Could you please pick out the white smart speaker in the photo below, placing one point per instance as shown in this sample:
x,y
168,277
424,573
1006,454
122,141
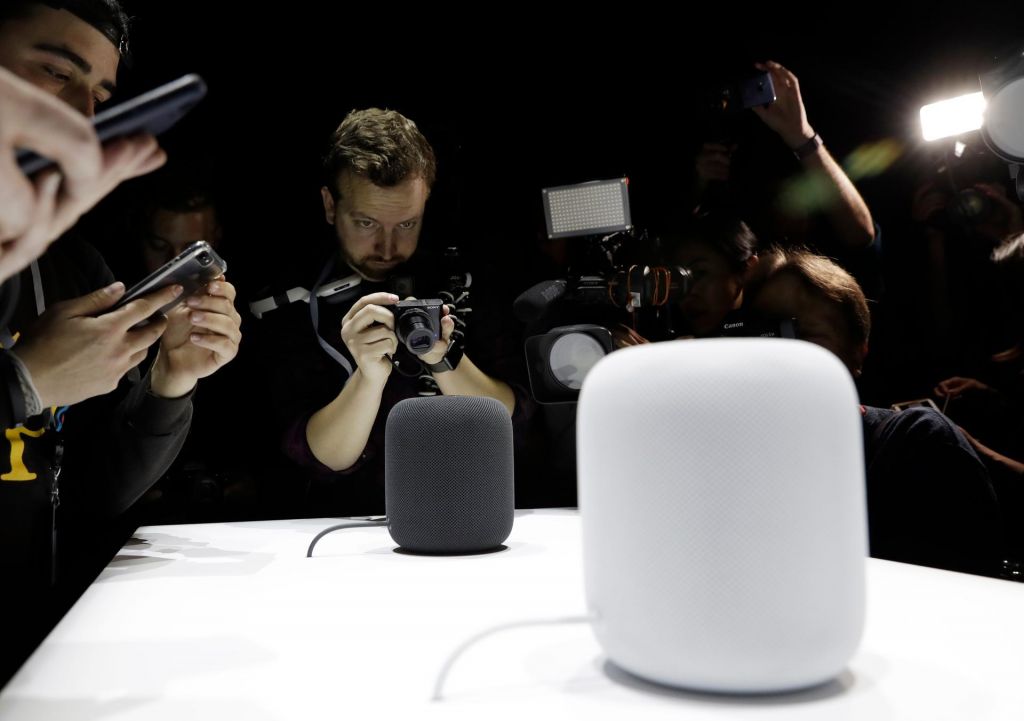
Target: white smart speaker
x,y
722,493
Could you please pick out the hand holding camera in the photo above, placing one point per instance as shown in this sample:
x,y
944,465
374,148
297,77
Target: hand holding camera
x,y
377,324
1000,217
424,327
972,204
368,331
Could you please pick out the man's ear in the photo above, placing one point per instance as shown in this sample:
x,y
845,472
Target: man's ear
x,y
329,204
749,268
859,355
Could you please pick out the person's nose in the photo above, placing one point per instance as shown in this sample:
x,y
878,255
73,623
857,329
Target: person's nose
x,y
80,98
386,244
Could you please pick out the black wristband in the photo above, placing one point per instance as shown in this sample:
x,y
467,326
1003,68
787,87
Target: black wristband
x,y
808,147
452,356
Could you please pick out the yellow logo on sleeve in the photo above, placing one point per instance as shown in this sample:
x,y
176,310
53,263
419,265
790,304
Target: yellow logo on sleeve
x,y
18,470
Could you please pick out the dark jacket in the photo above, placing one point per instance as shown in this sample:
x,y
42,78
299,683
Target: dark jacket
x,y
930,498
115,446
304,379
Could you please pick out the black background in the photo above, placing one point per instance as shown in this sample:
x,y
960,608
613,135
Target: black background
x,y
514,100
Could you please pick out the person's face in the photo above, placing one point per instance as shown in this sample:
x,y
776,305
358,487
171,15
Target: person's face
x,y
169,233
716,288
819,321
378,228
62,55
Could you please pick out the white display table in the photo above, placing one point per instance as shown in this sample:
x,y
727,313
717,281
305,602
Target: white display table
x,y
231,621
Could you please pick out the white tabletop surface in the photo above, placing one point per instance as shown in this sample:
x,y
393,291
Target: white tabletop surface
x,y
231,621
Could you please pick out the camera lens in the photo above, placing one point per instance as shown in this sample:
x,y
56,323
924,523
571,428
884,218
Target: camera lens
x,y
204,258
415,332
571,358
971,205
420,342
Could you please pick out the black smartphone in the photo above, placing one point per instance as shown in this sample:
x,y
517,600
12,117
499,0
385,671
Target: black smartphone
x,y
152,112
725,121
194,267
756,90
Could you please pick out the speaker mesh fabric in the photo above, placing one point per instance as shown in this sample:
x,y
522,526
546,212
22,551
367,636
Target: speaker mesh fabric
x,y
722,496
448,474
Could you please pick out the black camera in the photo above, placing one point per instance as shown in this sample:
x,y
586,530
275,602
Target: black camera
x,y
959,175
608,282
600,278
971,206
740,326
418,324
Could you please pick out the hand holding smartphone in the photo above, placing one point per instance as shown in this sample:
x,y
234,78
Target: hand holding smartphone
x,y
150,113
193,269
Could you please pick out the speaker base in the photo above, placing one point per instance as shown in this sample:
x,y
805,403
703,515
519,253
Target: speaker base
x,y
483,552
814,691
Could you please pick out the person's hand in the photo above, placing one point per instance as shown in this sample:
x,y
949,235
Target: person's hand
x,y
787,115
437,353
35,212
368,331
957,386
1007,220
713,163
73,353
623,337
202,335
928,200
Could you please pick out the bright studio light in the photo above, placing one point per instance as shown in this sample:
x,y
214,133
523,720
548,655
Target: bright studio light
x,y
953,117
593,208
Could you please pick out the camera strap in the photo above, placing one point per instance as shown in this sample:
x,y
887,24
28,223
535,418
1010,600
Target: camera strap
x,y
54,418
314,314
11,294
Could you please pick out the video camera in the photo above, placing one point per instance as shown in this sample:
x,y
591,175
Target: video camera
x,y
600,283
598,213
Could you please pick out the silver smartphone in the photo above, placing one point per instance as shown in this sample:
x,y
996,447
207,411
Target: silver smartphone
x,y
193,269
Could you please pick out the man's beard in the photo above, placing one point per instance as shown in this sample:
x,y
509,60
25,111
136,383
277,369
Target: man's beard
x,y
373,269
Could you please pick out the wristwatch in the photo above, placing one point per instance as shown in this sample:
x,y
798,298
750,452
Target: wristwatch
x,y
451,359
808,147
